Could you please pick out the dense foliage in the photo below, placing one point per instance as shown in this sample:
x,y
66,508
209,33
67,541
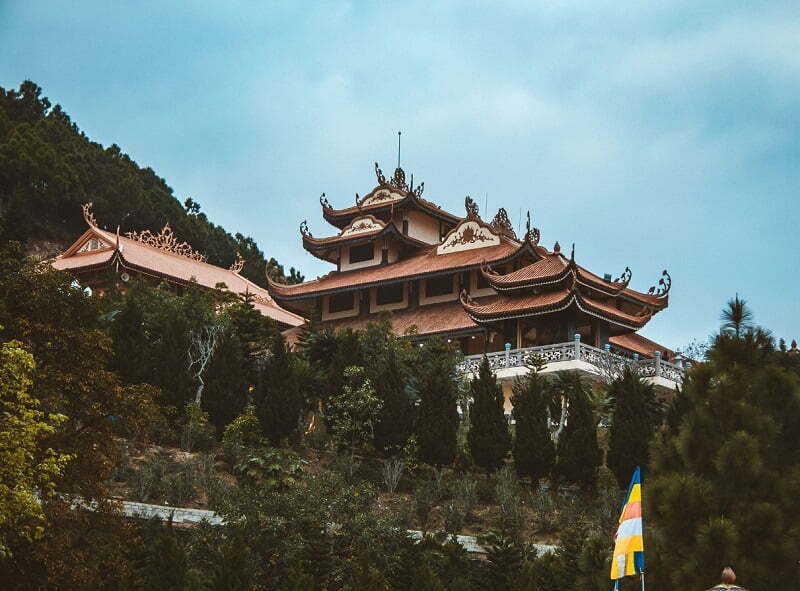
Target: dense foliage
x,y
726,474
49,168
489,439
534,452
633,425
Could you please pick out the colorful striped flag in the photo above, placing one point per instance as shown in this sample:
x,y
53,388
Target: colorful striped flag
x,y
628,556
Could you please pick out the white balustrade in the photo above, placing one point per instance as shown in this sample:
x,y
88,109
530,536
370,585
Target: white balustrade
x,y
605,361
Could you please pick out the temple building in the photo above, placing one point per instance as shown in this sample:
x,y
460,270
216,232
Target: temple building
x,y
472,281
99,258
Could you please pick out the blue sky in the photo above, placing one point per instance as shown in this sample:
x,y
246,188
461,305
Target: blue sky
x,y
658,136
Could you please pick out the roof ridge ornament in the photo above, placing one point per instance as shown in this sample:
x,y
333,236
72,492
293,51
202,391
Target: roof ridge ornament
x,y
556,247
304,229
166,241
88,216
486,269
465,298
532,235
502,223
625,278
472,208
323,201
663,287
238,264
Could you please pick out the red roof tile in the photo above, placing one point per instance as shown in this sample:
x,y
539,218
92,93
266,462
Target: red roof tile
x,y
424,263
184,269
639,344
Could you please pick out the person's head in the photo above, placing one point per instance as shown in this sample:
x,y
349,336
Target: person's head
x,y
728,576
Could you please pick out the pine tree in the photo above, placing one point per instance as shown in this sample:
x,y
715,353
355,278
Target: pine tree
x,y
488,437
278,399
164,565
725,477
437,424
225,392
130,343
632,427
534,452
396,417
578,454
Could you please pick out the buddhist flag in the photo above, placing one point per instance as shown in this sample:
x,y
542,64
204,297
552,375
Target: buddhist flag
x,y
628,556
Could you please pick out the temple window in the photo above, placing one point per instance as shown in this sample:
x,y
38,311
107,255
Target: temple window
x,y
362,252
390,294
341,302
439,286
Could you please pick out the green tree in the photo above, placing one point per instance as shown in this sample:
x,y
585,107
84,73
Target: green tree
x,y
437,423
736,317
632,427
26,467
278,395
488,437
226,384
389,368
725,474
534,452
354,412
131,345
578,454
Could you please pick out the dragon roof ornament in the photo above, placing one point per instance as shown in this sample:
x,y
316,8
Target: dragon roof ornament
x,y
304,229
398,181
88,216
238,264
166,241
664,284
323,201
471,207
532,235
625,278
502,223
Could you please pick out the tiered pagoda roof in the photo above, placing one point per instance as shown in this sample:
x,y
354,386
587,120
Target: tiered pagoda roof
x,y
388,195
555,283
526,279
161,256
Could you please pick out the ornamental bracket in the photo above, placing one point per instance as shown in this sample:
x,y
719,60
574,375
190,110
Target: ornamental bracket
x,y
664,285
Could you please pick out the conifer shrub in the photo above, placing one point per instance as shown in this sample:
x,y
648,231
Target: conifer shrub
x,y
488,437
533,451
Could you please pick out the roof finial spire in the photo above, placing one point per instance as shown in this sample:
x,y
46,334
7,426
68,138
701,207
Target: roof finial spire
x,y
398,149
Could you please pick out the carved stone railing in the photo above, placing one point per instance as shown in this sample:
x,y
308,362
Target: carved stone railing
x,y
606,362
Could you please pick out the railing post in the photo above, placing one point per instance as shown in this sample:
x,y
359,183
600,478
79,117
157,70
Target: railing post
x,y
577,346
657,355
508,353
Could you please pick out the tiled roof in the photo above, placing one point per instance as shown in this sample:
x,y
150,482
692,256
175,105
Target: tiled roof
x,y
310,243
552,267
147,258
639,344
424,263
333,215
517,306
429,320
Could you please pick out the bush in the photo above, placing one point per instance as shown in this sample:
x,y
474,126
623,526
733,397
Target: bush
x,y
196,432
269,468
242,433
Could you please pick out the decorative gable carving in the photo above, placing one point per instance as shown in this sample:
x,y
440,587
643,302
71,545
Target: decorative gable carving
x,y
382,195
93,243
361,225
468,235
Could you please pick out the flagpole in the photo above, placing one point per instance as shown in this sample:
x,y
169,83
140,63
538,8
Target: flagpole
x,y
642,580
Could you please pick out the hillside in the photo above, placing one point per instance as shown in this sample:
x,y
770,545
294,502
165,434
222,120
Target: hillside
x,y
49,167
